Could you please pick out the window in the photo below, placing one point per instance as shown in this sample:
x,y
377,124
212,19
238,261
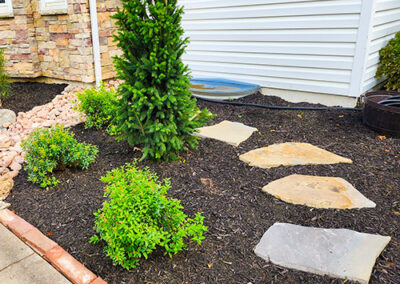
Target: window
x,y
53,6
6,9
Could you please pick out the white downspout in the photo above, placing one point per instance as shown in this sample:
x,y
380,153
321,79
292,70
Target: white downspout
x,y
362,47
95,41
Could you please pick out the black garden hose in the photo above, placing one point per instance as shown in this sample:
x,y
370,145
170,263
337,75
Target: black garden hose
x,y
277,107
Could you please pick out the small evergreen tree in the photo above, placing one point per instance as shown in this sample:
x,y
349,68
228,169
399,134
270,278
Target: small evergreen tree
x,y
4,79
155,107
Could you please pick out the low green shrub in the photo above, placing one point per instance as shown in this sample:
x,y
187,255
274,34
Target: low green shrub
x,y
138,217
4,79
98,104
48,150
389,64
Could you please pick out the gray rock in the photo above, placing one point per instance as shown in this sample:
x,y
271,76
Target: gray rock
x,y
338,253
7,115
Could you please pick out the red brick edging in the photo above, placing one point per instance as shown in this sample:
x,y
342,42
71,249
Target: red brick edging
x,y
49,250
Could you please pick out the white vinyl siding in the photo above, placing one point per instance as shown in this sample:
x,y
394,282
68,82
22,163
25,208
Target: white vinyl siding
x,y
385,24
301,45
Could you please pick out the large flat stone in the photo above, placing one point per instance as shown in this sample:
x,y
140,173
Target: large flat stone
x,y
229,132
12,249
34,270
318,192
339,253
291,154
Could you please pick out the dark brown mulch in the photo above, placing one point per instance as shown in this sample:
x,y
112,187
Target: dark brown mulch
x,y
25,96
237,212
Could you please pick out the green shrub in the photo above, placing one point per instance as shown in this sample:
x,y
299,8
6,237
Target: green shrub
x,y
156,109
139,217
389,64
48,150
4,79
98,104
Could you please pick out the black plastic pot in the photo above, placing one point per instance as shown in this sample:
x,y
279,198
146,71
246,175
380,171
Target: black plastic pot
x,y
384,119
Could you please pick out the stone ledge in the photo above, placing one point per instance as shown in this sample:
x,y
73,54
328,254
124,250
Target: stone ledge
x,y
53,12
7,15
53,253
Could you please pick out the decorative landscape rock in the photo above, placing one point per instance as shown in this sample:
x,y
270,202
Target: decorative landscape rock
x,y
7,117
229,132
6,184
291,154
61,110
4,205
339,253
318,192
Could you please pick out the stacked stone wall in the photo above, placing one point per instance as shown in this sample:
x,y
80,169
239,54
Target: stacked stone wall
x,y
59,45
64,43
17,41
108,48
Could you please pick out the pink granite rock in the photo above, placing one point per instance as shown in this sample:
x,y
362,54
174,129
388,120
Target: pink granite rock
x,y
15,166
61,110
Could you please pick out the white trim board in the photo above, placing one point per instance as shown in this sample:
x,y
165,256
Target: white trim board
x,y
308,97
362,44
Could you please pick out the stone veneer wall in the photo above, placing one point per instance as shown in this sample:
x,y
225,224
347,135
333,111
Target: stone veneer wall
x,y
17,40
108,48
57,46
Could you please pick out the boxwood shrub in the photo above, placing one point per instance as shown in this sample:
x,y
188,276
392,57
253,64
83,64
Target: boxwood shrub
x,y
389,64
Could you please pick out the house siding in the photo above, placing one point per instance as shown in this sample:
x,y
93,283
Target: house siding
x,y
385,24
285,44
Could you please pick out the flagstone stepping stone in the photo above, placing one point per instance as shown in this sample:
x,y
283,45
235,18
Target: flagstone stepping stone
x,y
338,253
229,132
291,154
318,192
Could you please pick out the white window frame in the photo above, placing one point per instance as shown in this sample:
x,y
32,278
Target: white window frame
x,y
51,7
6,9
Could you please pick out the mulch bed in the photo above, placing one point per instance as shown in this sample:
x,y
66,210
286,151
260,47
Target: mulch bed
x,y
25,96
213,180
